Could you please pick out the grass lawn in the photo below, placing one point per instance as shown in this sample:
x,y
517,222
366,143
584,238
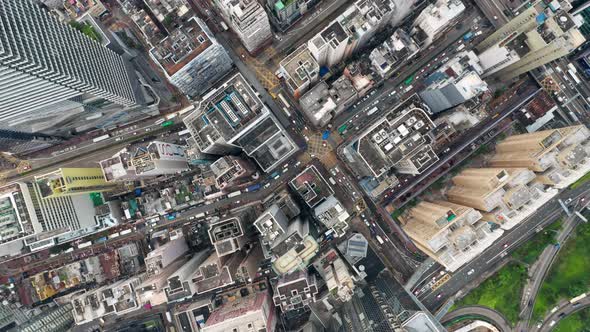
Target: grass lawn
x,y
501,291
529,251
569,275
580,181
576,322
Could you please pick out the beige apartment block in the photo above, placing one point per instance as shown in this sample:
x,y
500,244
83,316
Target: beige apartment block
x,y
505,195
558,156
451,234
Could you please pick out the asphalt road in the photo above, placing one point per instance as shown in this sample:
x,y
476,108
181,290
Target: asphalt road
x,y
512,238
490,315
382,93
566,308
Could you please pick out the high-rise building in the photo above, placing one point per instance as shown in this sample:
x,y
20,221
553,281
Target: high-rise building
x,y
299,70
283,13
232,118
540,34
39,222
21,143
249,308
71,181
229,170
437,18
333,215
227,235
388,57
339,279
271,224
295,291
454,83
248,20
324,101
558,156
191,58
44,61
451,234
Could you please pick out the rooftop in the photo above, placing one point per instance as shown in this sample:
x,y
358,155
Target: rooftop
x,y
301,67
181,46
401,134
311,186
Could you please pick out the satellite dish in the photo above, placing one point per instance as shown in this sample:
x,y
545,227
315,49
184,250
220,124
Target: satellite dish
x,y
361,268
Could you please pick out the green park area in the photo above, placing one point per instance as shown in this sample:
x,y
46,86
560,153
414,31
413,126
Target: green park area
x,y
568,276
580,181
576,322
503,290
500,292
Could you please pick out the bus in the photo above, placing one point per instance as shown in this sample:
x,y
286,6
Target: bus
x,y
372,110
113,236
100,138
160,121
234,194
224,26
572,67
284,100
342,128
409,80
184,132
167,123
84,245
577,298
125,232
574,76
287,112
380,239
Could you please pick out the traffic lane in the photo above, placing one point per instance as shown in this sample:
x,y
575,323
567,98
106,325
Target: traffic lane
x,y
393,82
547,214
480,264
567,309
243,198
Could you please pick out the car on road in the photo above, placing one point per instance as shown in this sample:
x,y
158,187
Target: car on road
x,y
470,272
506,245
569,200
439,296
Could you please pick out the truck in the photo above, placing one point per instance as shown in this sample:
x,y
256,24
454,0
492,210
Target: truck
x,y
252,188
574,76
460,47
101,138
380,239
572,67
234,194
125,232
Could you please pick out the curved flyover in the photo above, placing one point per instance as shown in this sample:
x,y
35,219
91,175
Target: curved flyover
x,y
479,312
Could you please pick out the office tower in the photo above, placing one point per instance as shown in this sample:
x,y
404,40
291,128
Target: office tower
x,y
158,158
191,58
338,277
324,101
271,224
248,20
451,234
332,214
248,308
454,83
540,34
227,236
299,70
283,13
232,118
118,299
44,62
230,171
36,222
295,291
388,57
558,156
72,181
437,18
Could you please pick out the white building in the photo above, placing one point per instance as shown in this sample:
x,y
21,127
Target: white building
x,y
454,83
437,18
114,299
248,20
333,215
38,223
232,118
227,236
38,40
